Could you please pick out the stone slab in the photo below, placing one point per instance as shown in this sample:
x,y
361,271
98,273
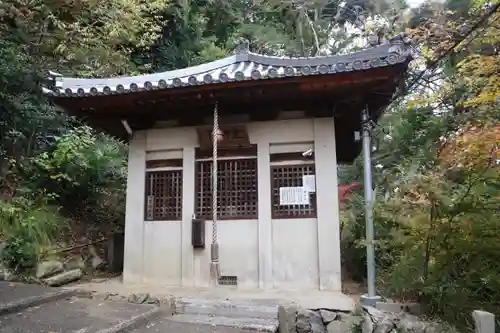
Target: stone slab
x,y
312,299
412,308
11,292
168,326
250,324
226,308
72,315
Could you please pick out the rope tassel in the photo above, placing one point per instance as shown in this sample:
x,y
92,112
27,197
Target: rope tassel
x,y
214,248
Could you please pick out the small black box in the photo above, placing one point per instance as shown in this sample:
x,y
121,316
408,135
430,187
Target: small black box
x,y
198,233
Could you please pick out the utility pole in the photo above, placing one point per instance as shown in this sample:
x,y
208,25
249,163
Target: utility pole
x,y
371,298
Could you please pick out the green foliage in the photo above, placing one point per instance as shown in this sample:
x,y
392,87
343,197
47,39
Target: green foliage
x,y
27,228
85,173
20,253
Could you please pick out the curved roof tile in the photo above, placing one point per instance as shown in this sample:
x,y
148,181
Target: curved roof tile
x,y
241,66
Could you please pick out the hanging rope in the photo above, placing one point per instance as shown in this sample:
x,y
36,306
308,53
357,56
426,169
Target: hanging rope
x,y
214,267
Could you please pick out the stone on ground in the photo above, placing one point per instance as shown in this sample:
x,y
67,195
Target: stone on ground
x,y
48,268
64,278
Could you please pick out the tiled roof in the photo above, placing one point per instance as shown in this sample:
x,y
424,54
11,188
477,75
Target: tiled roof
x,y
241,66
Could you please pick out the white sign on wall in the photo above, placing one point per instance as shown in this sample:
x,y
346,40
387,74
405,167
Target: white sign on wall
x,y
294,196
309,183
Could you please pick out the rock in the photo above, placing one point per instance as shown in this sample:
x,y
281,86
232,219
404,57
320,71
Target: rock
x,y
340,326
375,313
367,325
64,278
484,321
75,263
408,323
317,325
48,268
9,275
309,321
328,316
377,321
114,297
167,305
152,300
302,324
386,325
97,262
138,298
287,318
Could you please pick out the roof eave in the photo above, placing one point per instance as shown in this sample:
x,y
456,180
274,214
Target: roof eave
x,y
241,66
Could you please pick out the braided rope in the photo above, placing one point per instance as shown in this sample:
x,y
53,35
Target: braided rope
x,y
214,175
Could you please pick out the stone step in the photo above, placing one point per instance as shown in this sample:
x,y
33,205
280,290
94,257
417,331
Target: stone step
x,y
265,325
165,325
15,297
79,315
226,308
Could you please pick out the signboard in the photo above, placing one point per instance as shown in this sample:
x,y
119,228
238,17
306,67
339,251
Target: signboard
x,y
232,136
294,196
309,183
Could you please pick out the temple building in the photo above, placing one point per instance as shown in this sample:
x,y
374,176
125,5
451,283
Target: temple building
x,y
284,125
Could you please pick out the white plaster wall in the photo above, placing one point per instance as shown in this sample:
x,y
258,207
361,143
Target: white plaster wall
x,y
263,253
238,253
162,252
295,254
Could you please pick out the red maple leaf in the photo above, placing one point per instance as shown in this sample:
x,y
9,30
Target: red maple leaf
x,y
344,191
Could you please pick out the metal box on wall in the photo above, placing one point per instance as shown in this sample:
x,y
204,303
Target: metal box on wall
x,y
198,233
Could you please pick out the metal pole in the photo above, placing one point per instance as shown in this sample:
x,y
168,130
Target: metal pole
x,y
214,248
371,298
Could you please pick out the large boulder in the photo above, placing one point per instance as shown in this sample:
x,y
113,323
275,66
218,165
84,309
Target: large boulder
x,y
309,321
64,278
48,268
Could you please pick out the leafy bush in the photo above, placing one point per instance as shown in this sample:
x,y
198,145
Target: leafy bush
x,y
20,252
85,173
27,228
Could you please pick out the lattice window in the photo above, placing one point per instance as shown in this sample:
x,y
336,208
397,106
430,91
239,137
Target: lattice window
x,y
164,195
291,176
236,189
